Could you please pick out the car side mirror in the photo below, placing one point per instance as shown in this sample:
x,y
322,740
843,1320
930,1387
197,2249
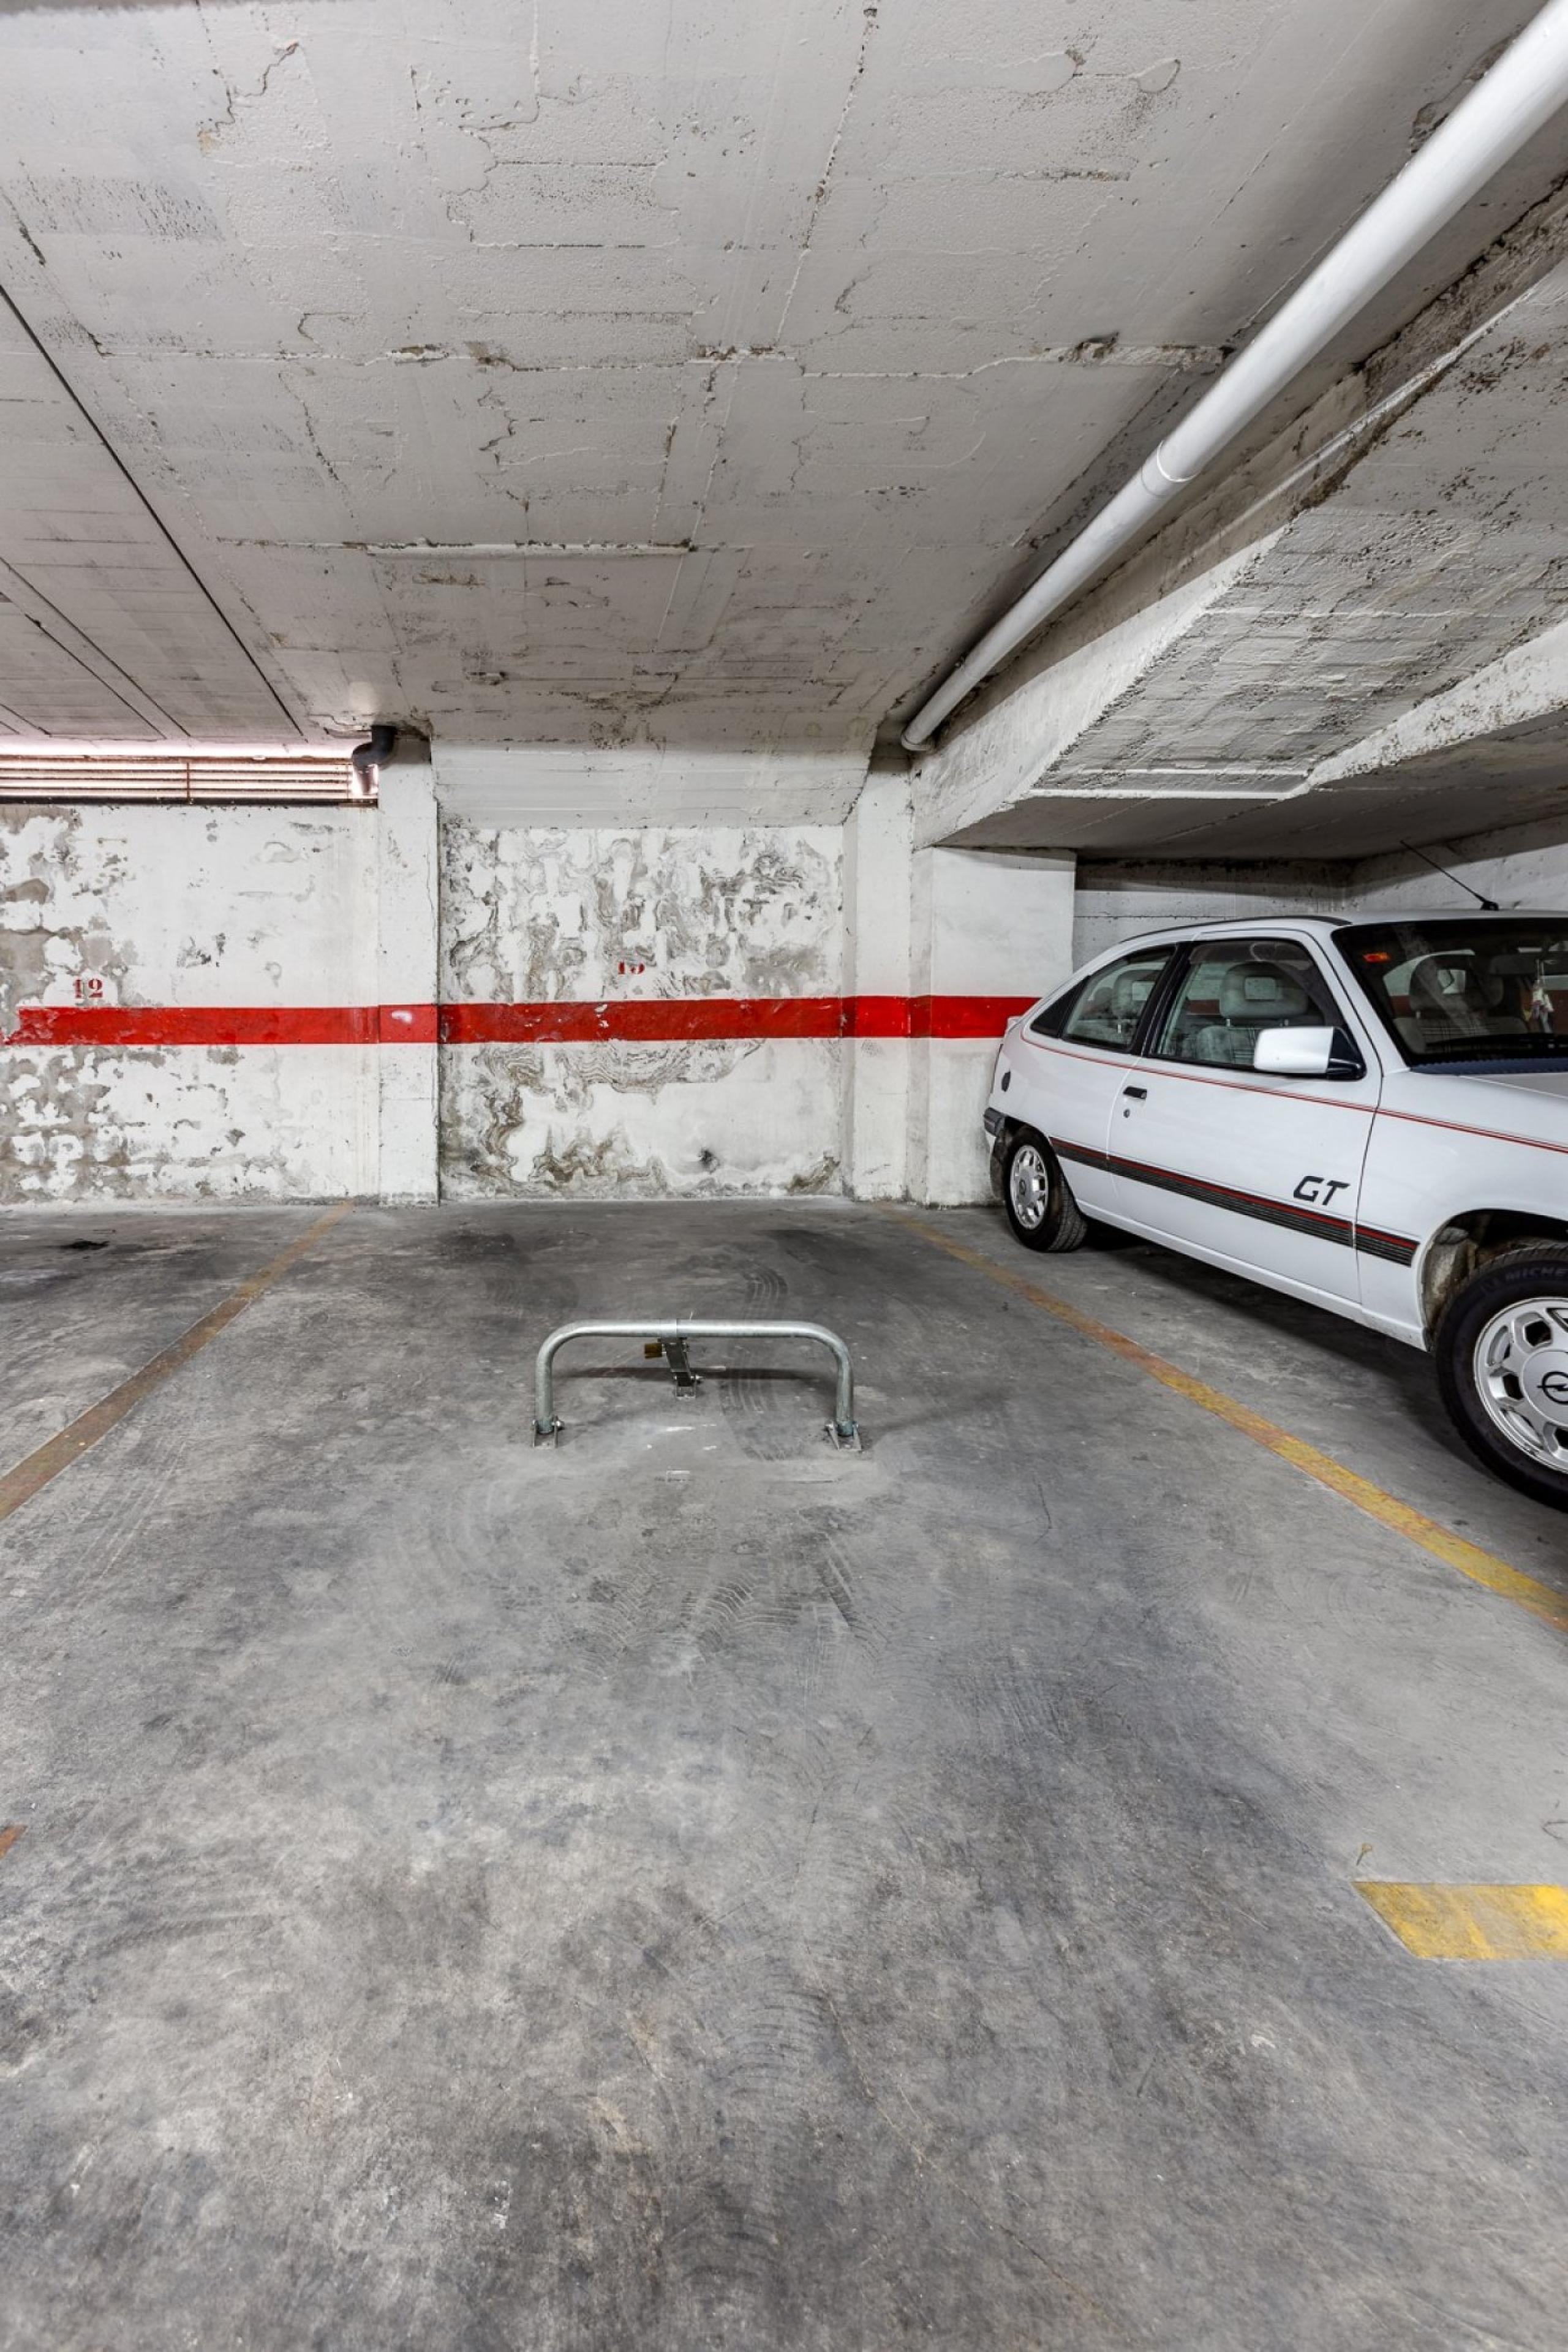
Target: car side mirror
x,y
1294,1053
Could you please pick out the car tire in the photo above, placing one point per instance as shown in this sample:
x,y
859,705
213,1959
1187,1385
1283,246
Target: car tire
x,y
1035,1193
1501,1350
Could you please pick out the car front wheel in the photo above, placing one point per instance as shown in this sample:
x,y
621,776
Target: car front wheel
x,y
1502,1347
1040,1208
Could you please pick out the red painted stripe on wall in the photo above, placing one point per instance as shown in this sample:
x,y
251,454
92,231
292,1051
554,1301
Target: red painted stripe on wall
x,y
965,1016
663,1020
195,1024
931,1016
223,1024
651,1020
408,1024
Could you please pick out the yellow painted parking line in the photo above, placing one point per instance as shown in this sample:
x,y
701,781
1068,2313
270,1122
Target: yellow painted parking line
x,y
1481,1567
1473,1923
57,1454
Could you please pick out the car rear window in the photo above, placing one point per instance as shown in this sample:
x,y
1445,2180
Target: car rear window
x,y
1106,1009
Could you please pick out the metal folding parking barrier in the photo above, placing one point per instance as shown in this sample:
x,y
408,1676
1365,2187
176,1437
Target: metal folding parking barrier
x,y
673,1336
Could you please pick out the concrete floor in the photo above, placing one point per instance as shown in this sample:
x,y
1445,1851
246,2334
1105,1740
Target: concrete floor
x,y
696,1890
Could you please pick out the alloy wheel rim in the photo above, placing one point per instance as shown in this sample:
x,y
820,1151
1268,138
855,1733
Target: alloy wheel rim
x,y
1521,1364
1030,1185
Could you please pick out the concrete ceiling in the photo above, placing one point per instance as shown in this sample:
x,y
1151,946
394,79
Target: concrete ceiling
x,y
1390,662
817,319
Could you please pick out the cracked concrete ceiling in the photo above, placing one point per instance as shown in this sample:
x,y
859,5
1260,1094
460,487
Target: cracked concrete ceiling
x,y
651,372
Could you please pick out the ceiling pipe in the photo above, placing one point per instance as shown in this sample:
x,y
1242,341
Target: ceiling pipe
x,y
1511,102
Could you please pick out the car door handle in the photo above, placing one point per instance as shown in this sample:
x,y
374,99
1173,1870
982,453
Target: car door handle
x,y
1139,1094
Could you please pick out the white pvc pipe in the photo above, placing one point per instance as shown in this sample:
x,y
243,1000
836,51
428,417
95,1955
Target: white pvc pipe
x,y
1519,95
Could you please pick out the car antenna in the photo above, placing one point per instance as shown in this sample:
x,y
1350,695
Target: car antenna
x,y
1489,903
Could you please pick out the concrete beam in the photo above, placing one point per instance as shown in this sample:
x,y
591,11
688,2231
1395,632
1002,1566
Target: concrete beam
x,y
982,926
408,956
986,774
1528,683
1283,700
877,958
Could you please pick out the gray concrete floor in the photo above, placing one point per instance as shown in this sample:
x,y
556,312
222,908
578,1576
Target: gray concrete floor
x,y
696,1890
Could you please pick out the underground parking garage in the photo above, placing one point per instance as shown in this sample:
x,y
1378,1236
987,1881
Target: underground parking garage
x,y
784,1176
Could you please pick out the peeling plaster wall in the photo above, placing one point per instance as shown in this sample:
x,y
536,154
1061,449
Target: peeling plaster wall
x,y
533,914
361,920
185,907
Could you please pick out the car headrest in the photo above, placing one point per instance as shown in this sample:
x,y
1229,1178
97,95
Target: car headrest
x,y
1130,994
1262,992
1449,985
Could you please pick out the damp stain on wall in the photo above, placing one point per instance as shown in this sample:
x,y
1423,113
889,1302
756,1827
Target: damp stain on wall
x,y
105,905
56,938
535,915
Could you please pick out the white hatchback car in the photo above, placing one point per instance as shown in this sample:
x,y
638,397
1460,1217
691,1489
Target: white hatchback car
x,y
1373,1116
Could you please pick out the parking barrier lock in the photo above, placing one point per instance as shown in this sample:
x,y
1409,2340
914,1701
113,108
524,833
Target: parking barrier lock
x,y
672,1335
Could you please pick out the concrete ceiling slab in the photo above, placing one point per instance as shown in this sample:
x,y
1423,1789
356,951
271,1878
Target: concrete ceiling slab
x,y
838,309
104,630
1391,663
1421,803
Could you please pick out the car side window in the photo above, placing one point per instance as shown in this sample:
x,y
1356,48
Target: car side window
x,y
1234,990
1106,1009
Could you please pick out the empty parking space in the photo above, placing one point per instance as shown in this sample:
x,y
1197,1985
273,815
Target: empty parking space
x,y
697,1886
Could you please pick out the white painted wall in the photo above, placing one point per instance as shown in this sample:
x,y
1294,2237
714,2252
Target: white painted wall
x,y
633,785
1520,865
983,924
186,905
1115,899
877,964
1525,866
408,978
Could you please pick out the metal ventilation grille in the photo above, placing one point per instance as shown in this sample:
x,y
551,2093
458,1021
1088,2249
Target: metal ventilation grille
x,y
159,776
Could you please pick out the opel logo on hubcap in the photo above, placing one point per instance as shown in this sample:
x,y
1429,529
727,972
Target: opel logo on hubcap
x,y
1554,1388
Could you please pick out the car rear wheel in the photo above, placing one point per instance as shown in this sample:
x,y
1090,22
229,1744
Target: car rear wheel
x,y
1040,1208
1503,1367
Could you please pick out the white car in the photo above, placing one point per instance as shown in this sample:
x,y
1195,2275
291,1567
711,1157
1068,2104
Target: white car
x,y
1372,1115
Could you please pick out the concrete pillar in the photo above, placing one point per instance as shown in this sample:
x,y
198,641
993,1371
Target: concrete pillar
x,y
985,925
408,959
937,942
877,972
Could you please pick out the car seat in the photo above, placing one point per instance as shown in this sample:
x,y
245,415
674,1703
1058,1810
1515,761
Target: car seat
x,y
1451,999
1252,997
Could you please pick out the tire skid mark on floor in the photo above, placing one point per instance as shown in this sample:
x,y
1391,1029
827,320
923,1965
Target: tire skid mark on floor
x,y
769,1421
748,1397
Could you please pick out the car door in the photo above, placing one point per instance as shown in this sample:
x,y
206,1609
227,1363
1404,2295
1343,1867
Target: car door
x,y
1259,1170
1079,1050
